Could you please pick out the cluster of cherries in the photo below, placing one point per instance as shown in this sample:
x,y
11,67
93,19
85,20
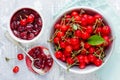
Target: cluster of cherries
x,y
26,24
71,34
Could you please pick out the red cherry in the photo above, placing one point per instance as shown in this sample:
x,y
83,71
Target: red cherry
x,y
89,29
67,17
74,13
83,52
62,44
56,40
90,20
68,48
76,47
82,65
91,57
67,54
70,61
91,50
106,30
98,30
20,56
85,35
77,18
87,45
68,41
57,26
16,69
86,60
97,16
107,40
60,34
98,62
30,18
80,58
23,22
75,41
83,21
63,58
78,33
64,28
58,54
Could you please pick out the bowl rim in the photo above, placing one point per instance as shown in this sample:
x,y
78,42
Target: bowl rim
x,y
19,39
112,45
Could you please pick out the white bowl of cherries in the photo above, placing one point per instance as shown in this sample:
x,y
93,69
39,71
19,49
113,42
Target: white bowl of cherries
x,y
25,25
81,40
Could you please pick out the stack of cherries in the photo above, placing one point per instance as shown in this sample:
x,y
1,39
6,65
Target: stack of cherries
x,y
81,38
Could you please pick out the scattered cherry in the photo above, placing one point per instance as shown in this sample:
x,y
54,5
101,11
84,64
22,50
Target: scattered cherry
x,y
16,69
20,56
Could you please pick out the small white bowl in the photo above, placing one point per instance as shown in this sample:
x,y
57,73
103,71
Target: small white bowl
x,y
90,68
22,40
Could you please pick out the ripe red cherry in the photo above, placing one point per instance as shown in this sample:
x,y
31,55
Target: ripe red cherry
x,y
63,58
64,28
76,47
23,22
97,16
107,40
57,26
70,61
90,20
67,17
68,41
82,65
20,56
85,35
58,54
91,50
68,48
74,13
86,45
83,21
98,30
80,58
77,18
56,40
67,54
74,41
60,34
78,33
62,44
16,69
30,18
91,58
89,29
86,60
106,30
98,62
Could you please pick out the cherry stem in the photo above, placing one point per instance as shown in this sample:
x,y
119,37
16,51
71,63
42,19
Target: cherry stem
x,y
20,17
69,66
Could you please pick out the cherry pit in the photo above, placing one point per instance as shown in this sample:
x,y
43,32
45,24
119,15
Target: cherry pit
x,y
81,38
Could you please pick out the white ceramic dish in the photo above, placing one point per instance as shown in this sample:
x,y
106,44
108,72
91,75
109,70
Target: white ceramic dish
x,y
90,68
22,40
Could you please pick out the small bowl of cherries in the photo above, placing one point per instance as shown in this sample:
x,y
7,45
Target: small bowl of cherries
x,y
25,25
81,40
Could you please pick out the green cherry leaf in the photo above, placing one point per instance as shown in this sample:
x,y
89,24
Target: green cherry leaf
x,y
95,40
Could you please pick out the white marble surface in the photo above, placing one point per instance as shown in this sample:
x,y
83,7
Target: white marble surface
x,y
49,9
